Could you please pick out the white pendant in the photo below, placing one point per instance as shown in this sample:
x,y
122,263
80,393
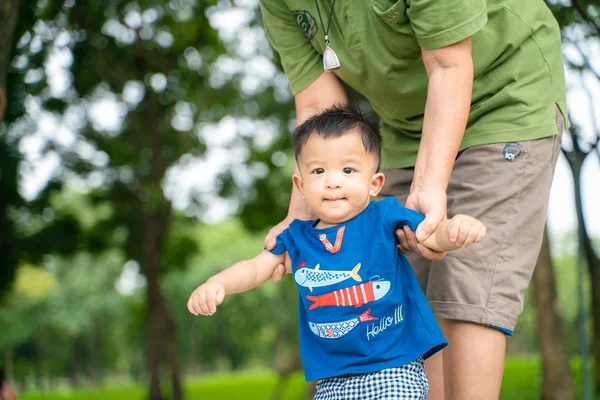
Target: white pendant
x,y
330,59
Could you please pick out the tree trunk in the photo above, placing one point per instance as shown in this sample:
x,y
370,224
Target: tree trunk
x,y
95,352
557,380
161,327
594,270
154,333
593,264
8,20
75,364
576,157
155,220
8,363
173,356
286,361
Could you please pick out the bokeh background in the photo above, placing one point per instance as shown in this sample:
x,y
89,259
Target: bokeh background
x,y
144,145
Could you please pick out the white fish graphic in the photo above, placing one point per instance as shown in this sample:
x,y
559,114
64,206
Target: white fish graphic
x,y
334,330
310,278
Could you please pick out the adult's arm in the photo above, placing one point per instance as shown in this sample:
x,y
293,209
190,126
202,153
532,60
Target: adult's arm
x,y
450,72
325,92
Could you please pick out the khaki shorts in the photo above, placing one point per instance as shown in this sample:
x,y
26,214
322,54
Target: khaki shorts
x,y
506,186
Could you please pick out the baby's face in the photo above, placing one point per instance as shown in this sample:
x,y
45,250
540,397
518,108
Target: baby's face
x,y
337,177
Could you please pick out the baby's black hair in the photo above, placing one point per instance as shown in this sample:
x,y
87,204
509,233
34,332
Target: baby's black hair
x,y
335,122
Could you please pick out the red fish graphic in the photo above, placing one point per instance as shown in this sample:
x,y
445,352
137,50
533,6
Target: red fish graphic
x,y
351,296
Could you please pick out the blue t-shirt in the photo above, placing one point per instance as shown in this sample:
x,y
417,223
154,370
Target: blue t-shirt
x,y
361,308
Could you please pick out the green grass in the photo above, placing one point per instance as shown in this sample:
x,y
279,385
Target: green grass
x,y
522,381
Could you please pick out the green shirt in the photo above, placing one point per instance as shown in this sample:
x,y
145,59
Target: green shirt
x,y
518,67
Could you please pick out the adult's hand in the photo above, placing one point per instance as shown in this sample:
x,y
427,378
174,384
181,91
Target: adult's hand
x,y
271,241
430,201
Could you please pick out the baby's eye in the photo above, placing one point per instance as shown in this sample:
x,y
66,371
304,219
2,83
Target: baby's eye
x,y
318,171
348,170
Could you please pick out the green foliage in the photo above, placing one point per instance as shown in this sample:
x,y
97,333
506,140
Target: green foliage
x,y
215,342
522,379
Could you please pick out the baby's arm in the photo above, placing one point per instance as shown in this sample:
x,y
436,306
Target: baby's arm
x,y
240,277
460,231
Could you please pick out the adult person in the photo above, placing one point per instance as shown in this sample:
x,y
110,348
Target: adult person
x,y
472,98
7,392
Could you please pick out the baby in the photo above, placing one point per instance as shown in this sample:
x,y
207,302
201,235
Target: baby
x,y
365,325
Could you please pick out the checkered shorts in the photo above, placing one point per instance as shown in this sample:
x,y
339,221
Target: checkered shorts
x,y
408,382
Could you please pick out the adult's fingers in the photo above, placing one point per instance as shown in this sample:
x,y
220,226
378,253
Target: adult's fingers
x,y
430,254
411,239
278,273
429,224
271,238
402,241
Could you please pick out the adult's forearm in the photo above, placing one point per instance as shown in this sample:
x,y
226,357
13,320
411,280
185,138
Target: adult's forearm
x,y
446,114
298,207
325,92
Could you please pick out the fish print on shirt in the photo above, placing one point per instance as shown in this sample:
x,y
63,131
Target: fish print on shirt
x,y
310,278
335,330
356,295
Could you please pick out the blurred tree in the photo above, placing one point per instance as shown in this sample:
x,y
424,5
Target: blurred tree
x,y
556,368
580,28
8,20
158,71
9,195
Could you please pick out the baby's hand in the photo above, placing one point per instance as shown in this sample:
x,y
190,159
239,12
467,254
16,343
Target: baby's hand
x,y
205,299
464,230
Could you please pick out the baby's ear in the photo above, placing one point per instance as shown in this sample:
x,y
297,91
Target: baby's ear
x,y
297,179
377,182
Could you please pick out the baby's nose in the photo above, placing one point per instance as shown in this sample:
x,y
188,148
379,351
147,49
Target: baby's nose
x,y
333,182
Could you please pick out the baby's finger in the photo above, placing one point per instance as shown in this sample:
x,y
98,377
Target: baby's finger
x,y
196,302
480,234
202,306
462,235
220,296
211,302
471,235
454,229
190,306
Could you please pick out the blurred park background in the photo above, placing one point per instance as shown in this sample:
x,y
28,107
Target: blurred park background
x,y
144,145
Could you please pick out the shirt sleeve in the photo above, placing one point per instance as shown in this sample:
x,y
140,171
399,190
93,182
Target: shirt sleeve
x,y
441,23
396,215
301,63
282,243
